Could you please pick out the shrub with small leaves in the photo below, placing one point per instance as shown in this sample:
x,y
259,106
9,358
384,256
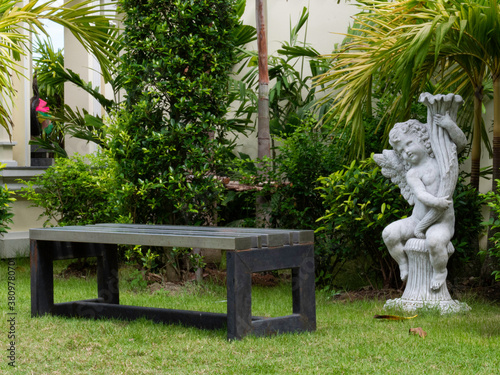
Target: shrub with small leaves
x,y
360,203
76,191
468,203
169,138
493,201
304,156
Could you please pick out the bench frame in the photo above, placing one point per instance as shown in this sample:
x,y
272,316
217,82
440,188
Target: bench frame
x,y
240,265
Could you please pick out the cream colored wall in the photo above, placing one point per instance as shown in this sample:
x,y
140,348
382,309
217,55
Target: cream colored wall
x,y
20,111
327,21
25,217
78,60
21,119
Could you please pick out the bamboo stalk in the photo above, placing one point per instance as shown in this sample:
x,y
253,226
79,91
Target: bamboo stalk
x,y
476,139
496,132
263,133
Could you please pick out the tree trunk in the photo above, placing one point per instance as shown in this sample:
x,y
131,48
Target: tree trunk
x,y
476,138
496,132
263,134
491,263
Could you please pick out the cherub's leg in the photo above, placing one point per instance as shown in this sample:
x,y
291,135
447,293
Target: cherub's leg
x,y
437,238
395,236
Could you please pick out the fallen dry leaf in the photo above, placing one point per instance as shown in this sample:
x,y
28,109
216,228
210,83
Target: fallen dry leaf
x,y
418,331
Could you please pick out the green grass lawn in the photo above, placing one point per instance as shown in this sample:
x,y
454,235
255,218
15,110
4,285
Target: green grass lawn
x,y
348,340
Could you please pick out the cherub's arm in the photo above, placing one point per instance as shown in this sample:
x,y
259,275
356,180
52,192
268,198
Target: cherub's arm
x,y
421,194
456,134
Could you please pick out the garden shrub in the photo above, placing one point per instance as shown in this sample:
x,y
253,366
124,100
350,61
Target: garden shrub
x,y
168,138
76,191
493,201
360,203
305,155
169,135
468,203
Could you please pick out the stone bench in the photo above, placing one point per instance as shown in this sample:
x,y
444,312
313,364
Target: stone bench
x,y
247,250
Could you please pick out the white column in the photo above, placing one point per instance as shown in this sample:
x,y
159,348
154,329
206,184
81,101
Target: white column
x,y
6,149
80,61
18,152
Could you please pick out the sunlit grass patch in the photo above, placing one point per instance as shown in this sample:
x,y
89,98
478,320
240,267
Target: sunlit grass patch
x,y
347,340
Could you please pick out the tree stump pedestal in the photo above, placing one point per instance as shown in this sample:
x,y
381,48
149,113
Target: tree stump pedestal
x,y
418,293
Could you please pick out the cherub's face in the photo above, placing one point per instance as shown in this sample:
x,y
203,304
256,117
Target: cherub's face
x,y
410,148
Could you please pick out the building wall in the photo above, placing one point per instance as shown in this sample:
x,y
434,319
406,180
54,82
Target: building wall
x,y
81,63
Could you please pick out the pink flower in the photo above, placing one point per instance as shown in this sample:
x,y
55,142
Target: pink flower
x,y
42,106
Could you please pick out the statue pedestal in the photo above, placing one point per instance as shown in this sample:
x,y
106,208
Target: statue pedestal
x,y
418,293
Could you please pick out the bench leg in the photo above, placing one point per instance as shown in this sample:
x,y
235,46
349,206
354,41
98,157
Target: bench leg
x,y
240,265
107,273
239,297
42,278
303,291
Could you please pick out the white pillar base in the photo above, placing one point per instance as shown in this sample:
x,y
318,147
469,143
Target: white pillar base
x,y
418,293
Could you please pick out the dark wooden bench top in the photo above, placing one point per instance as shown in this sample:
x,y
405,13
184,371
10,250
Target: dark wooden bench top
x,y
224,238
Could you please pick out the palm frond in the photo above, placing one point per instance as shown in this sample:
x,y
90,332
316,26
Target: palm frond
x,y
408,44
91,24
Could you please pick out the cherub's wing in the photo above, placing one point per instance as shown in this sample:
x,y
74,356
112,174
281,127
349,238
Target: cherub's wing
x,y
392,167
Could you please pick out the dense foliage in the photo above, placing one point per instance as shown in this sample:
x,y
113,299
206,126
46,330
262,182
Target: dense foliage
x,y
168,139
360,203
75,191
493,201
468,203
305,155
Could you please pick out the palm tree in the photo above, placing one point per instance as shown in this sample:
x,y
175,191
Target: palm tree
x,y
264,136
408,44
90,24
464,33
368,53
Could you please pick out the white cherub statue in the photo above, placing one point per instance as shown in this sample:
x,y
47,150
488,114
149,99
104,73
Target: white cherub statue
x,y
424,164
